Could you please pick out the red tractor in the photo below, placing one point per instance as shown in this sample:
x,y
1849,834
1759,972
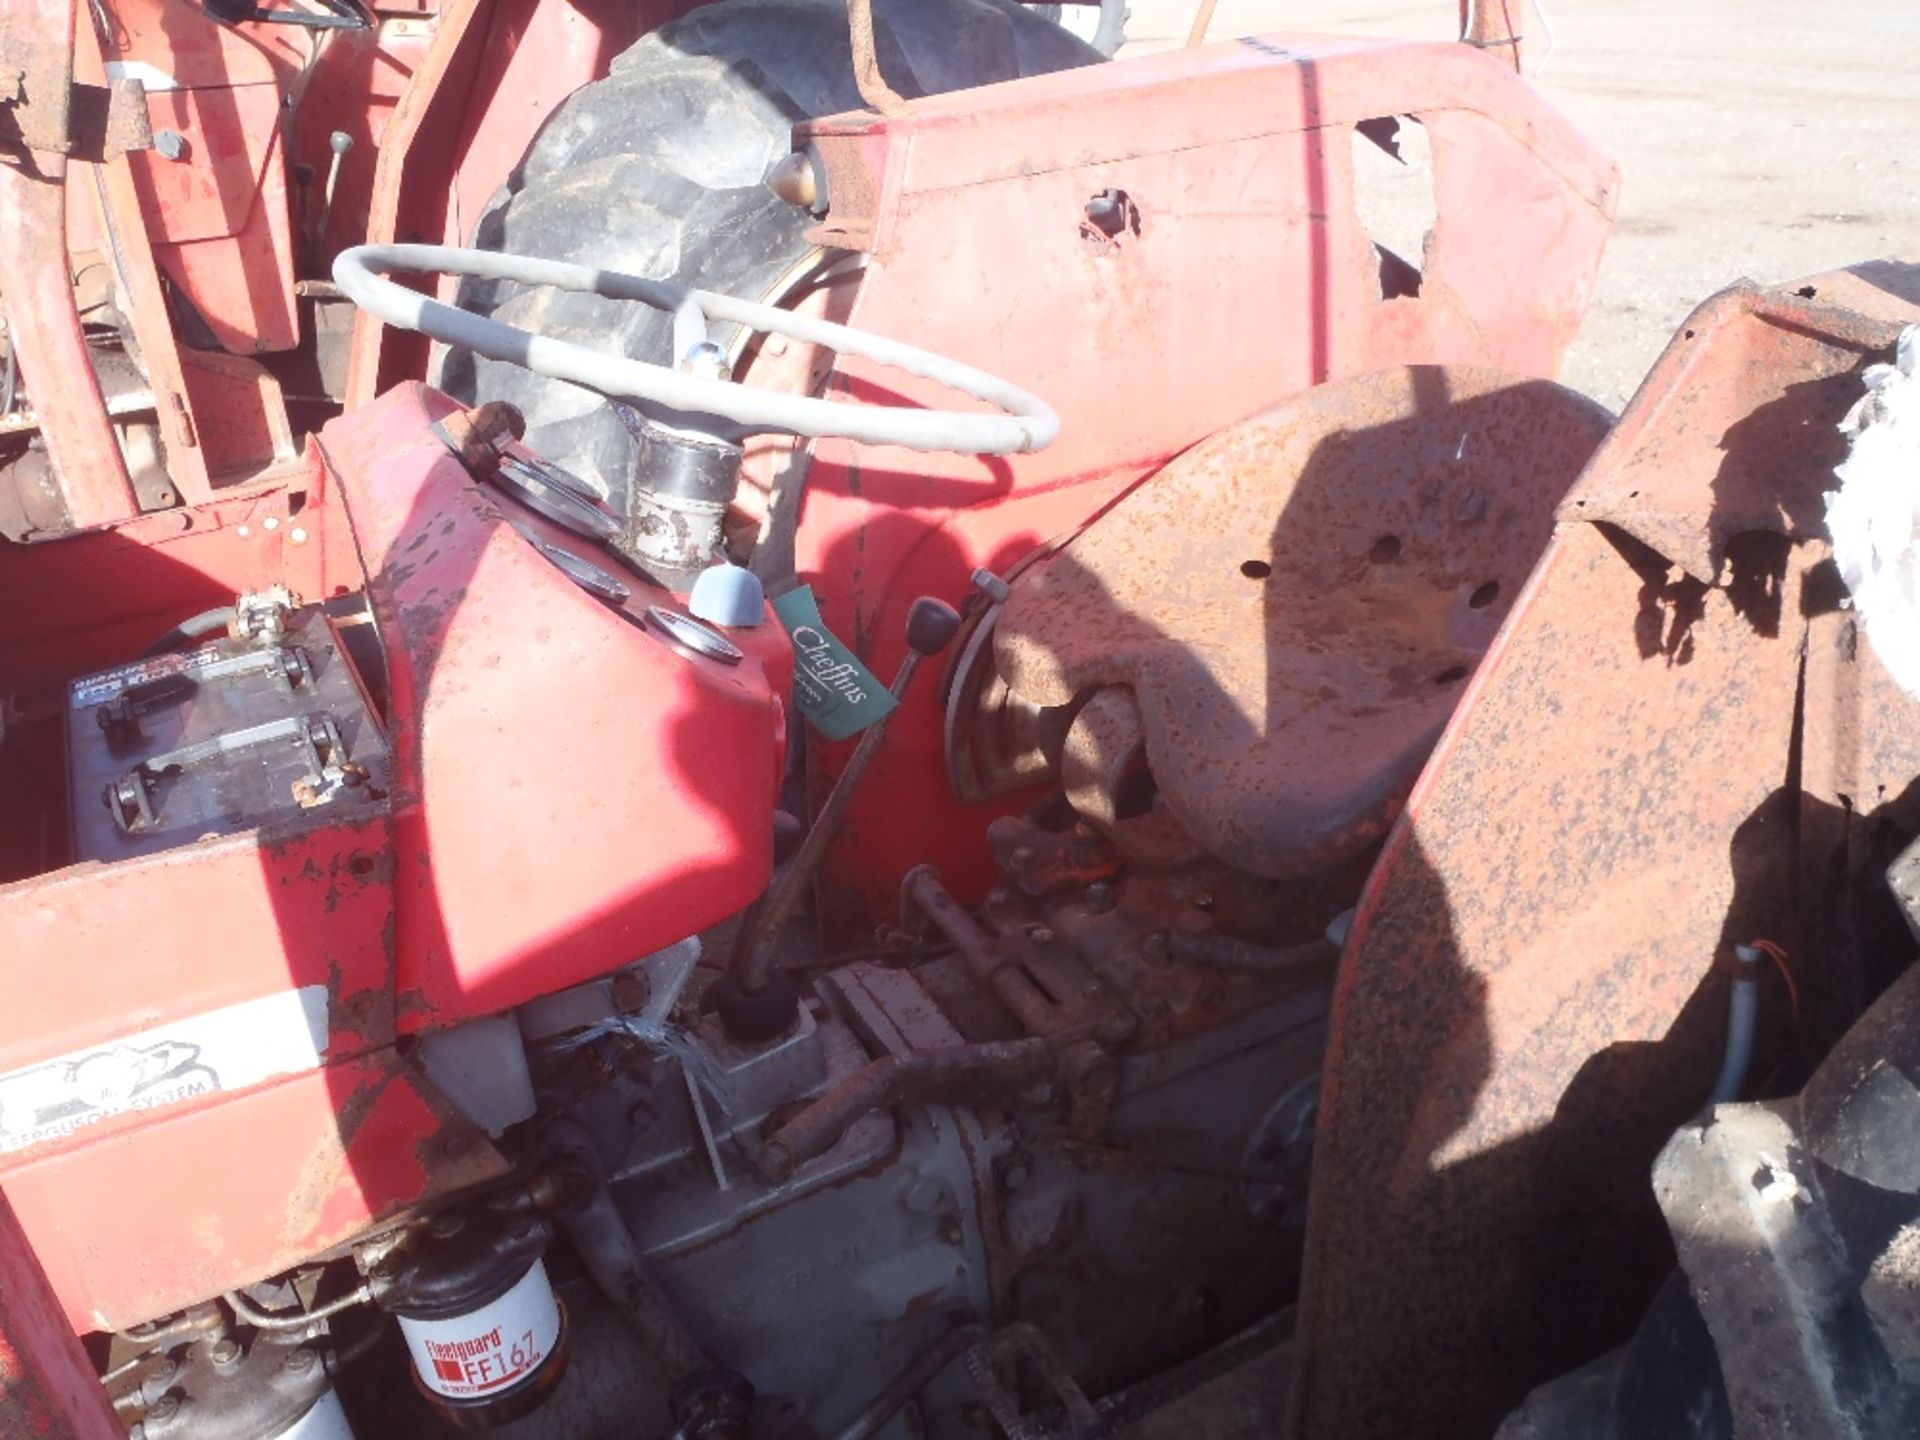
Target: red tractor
x,y
927,740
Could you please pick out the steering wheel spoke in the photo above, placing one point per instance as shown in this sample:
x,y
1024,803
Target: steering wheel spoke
x,y
1025,423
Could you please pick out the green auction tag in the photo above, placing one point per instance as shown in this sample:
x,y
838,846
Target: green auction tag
x,y
833,689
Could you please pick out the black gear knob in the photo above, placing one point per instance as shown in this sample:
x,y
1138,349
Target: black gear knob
x,y
931,625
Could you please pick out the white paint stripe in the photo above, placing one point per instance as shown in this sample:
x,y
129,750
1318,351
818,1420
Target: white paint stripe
x,y
151,76
226,1049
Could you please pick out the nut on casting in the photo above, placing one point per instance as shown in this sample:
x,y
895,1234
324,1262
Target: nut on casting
x,y
796,179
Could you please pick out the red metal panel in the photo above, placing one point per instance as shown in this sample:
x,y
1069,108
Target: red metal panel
x,y
1528,1005
47,1387
218,213
235,1188
537,54
649,821
465,120
185,931
219,216
121,587
572,791
1249,277
353,88
44,326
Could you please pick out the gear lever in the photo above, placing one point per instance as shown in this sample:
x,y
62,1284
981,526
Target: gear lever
x,y
755,1001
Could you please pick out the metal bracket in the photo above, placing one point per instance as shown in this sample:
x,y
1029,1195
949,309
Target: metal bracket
x,y
261,615
330,769
995,1365
49,113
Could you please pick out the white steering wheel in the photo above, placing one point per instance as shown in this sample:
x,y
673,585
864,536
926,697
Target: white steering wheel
x,y
1027,423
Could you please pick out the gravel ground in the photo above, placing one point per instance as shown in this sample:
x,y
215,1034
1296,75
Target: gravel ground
x,y
1754,139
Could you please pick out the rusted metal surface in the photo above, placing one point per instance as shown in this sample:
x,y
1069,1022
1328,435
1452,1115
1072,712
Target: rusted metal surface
x,y
1005,1366
37,54
1745,398
1529,1003
48,1388
94,123
1041,862
477,436
867,75
1293,608
45,333
1186,949
43,324
1496,27
987,192
983,1074
1051,992
1105,752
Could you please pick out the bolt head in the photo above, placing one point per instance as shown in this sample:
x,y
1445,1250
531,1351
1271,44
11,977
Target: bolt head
x,y
795,181
629,991
170,144
224,1353
991,586
300,1362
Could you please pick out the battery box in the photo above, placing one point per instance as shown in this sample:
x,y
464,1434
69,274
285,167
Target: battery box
x,y
229,736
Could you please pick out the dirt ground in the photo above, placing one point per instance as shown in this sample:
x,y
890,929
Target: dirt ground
x,y
1768,139
1760,138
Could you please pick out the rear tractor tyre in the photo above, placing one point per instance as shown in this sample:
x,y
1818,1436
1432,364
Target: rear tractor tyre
x,y
658,170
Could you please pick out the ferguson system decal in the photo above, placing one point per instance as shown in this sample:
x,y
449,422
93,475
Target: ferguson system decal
x,y
226,1049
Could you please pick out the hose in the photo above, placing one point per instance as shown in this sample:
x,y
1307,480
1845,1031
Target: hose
x,y
295,1319
194,627
1743,1013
